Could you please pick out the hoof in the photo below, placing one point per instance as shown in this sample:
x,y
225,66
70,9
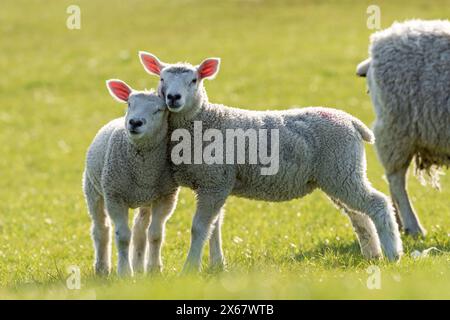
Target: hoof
x,y
102,271
189,270
154,270
373,256
217,268
416,232
138,269
395,256
124,272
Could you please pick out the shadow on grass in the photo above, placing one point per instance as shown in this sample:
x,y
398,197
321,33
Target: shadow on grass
x,y
346,254
437,241
332,255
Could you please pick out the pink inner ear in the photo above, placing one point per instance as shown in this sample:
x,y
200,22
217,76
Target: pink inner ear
x,y
208,68
151,64
120,90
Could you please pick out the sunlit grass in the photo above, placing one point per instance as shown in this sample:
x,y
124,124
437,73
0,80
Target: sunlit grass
x,y
275,54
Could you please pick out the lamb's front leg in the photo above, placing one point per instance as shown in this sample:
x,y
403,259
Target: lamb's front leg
x,y
208,209
162,209
216,258
139,238
118,213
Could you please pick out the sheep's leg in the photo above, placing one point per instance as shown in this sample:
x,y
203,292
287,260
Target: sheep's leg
x,y
395,158
101,230
216,258
208,209
139,238
162,209
357,194
365,231
101,233
118,213
397,186
379,209
367,235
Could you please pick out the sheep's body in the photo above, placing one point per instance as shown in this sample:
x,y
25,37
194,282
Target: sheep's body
x,y
120,175
134,175
319,148
408,78
310,148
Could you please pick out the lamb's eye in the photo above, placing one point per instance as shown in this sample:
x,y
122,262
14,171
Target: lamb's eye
x,y
162,80
194,81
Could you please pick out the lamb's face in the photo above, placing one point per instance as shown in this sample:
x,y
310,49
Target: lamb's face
x,y
146,116
179,86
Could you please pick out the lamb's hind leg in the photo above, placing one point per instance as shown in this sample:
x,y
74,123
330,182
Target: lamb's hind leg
x,y
357,194
101,230
365,231
397,186
216,258
139,238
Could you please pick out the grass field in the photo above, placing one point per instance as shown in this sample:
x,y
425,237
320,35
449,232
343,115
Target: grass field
x,y
275,54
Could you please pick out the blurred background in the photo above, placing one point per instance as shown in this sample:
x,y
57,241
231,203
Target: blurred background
x,y
275,55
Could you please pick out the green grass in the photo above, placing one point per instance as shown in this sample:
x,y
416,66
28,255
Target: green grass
x,y
275,54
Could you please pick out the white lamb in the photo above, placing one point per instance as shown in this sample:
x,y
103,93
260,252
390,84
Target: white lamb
x,y
318,148
126,167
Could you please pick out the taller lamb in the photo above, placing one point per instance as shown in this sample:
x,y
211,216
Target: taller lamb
x,y
318,148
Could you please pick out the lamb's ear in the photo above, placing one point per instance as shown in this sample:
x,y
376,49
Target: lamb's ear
x,y
151,63
119,90
209,68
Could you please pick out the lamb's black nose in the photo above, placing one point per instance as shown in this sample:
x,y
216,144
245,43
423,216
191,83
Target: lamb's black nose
x,y
135,123
173,97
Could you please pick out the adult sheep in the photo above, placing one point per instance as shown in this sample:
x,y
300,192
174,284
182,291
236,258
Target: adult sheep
x,y
127,167
318,148
408,75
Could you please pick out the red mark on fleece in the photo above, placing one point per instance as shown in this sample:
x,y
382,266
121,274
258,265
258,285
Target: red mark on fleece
x,y
327,115
332,116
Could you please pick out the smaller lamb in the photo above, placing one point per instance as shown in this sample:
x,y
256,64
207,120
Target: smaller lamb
x,y
126,167
409,83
